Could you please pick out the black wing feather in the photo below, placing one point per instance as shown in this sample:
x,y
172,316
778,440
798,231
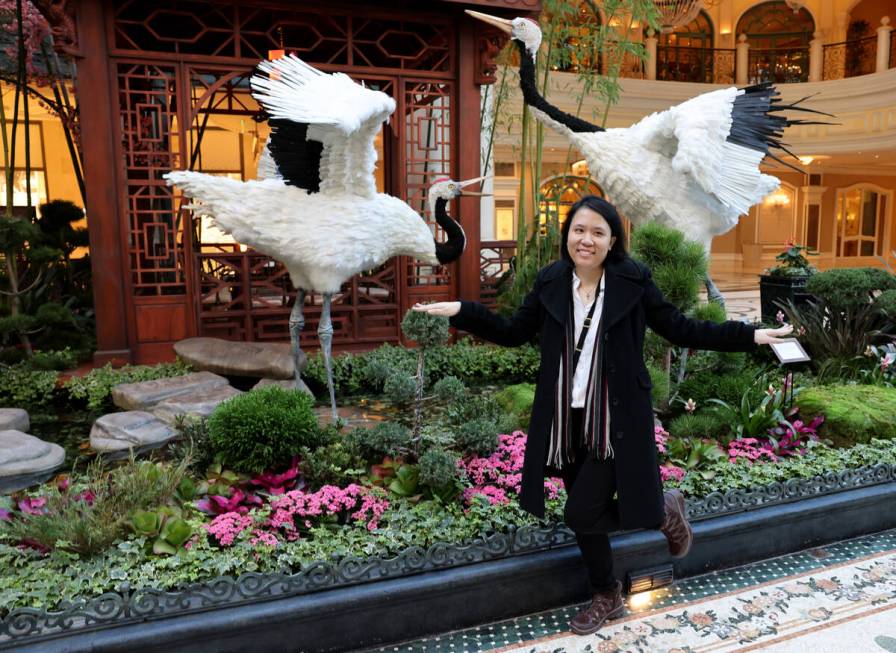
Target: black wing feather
x,y
297,159
757,124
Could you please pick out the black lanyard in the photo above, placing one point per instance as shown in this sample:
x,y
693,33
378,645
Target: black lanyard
x,y
586,325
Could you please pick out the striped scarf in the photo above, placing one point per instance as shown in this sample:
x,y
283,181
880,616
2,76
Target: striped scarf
x,y
596,419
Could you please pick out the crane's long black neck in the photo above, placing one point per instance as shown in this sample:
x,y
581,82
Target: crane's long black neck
x,y
533,99
452,248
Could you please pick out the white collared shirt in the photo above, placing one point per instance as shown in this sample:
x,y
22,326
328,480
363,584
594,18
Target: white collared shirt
x,y
580,311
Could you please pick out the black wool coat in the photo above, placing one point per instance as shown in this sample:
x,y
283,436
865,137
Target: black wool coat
x,y
632,302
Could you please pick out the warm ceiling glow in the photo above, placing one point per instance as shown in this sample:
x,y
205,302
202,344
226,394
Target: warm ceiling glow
x,y
640,600
725,30
273,55
806,159
580,168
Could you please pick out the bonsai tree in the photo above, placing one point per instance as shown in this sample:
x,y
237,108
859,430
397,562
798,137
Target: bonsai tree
x,y
427,331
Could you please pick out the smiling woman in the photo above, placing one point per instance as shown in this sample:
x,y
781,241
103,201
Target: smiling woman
x,y
592,423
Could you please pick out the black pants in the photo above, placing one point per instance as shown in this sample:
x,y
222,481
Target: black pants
x,y
591,511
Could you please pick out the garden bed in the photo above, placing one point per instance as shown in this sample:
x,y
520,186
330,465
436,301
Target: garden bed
x,y
356,602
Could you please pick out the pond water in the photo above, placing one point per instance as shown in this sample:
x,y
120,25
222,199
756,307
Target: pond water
x,y
70,427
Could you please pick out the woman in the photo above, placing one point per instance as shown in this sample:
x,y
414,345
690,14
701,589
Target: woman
x,y
592,418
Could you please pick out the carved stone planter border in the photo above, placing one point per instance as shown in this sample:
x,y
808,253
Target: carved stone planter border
x,y
27,625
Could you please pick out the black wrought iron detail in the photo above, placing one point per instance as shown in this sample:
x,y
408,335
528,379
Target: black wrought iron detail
x,y
130,605
718,503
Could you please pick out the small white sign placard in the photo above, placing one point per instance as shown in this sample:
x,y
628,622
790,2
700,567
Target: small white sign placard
x,y
790,351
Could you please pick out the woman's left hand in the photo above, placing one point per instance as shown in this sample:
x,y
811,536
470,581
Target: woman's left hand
x,y
766,336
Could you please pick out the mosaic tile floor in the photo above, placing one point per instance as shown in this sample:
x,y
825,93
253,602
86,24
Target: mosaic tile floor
x,y
535,626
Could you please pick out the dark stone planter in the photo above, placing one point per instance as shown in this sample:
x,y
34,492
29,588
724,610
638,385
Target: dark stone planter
x,y
780,289
392,610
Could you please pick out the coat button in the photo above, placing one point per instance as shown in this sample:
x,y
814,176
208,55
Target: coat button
x,y
611,368
606,336
614,401
619,435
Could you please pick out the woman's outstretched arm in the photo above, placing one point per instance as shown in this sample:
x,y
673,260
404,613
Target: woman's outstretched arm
x,y
475,318
665,319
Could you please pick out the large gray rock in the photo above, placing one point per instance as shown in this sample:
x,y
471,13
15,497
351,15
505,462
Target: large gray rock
x,y
117,433
286,384
26,460
147,394
201,403
261,359
15,419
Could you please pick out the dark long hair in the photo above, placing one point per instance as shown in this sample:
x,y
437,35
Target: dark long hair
x,y
599,205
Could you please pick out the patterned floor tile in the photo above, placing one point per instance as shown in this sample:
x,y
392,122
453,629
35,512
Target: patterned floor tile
x,y
532,627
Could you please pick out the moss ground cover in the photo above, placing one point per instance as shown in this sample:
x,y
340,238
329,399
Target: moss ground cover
x,y
853,413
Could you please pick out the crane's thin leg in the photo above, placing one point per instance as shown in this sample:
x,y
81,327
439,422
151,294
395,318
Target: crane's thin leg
x,y
713,292
296,324
325,333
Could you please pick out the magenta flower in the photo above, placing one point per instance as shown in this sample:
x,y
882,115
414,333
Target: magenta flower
x,y
32,505
779,316
5,515
277,484
670,471
238,502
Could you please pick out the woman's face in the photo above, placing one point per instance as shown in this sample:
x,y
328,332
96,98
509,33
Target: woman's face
x,y
590,239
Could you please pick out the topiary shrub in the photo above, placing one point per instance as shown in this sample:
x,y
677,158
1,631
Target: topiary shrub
x,y
383,439
263,429
438,468
449,388
400,388
479,436
516,401
706,424
853,413
849,288
886,304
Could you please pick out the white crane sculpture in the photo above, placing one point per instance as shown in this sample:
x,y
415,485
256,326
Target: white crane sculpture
x,y
315,207
693,167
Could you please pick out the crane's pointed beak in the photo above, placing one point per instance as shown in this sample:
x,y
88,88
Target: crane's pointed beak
x,y
501,23
470,182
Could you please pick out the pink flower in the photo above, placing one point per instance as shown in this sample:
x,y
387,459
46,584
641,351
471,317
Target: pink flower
x,y
227,527
498,476
670,471
33,505
660,437
779,316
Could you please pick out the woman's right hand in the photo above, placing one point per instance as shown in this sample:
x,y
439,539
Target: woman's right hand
x,y
444,309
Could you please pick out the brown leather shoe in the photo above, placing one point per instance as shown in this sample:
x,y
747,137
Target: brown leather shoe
x,y
675,525
604,605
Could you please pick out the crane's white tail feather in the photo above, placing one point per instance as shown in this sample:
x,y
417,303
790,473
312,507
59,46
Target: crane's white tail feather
x,y
224,201
740,185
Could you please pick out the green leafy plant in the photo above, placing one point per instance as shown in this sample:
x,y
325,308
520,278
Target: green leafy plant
x,y
95,387
383,439
263,429
165,529
694,455
22,386
747,419
793,263
516,401
703,424
438,470
449,388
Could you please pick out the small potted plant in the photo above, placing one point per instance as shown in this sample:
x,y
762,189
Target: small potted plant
x,y
785,281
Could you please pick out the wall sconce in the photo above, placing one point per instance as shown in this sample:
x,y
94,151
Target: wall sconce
x,y
273,55
777,200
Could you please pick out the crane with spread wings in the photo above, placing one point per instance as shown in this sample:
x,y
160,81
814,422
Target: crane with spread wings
x,y
693,167
315,206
